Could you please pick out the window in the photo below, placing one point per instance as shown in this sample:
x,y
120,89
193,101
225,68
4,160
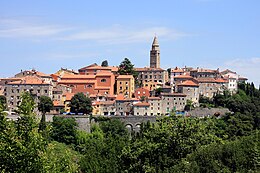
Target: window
x,y
120,83
138,92
120,88
126,88
89,86
103,80
45,91
126,83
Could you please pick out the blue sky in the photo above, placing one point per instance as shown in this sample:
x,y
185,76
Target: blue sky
x,y
47,35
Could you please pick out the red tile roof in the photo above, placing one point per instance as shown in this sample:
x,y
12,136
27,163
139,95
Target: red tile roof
x,y
142,104
29,80
188,83
120,97
221,80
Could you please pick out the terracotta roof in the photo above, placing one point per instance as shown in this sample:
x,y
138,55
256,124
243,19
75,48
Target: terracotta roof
x,y
42,74
176,69
188,83
97,67
142,104
125,77
183,77
221,80
77,82
120,97
70,76
154,98
148,69
104,73
29,80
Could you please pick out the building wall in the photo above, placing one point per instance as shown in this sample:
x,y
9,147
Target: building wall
x,y
140,92
141,110
125,86
173,103
191,92
155,106
13,92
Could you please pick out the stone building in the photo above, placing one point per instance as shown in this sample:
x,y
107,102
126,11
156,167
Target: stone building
x,y
172,102
33,84
152,75
204,73
155,105
155,54
141,108
190,89
124,105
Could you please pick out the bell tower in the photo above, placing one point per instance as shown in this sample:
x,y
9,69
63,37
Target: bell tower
x,y
155,54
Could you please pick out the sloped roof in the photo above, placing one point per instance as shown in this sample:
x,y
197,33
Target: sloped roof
x,y
29,80
189,83
142,104
125,77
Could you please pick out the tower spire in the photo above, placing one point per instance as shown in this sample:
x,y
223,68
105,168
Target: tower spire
x,y
155,54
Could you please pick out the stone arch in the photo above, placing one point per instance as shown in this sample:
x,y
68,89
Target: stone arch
x,y
129,127
137,126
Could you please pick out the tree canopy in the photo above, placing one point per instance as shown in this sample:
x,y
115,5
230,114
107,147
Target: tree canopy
x,y
80,104
104,63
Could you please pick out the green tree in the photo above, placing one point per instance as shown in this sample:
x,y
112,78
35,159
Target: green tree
x,y
21,146
80,104
27,104
3,102
45,105
64,130
104,63
127,68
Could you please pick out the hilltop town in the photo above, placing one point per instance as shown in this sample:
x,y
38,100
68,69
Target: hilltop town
x,y
149,91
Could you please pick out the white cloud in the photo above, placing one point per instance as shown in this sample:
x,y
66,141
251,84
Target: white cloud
x,y
11,28
117,35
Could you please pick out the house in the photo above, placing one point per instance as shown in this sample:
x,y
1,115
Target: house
x,y
93,69
141,109
156,75
176,72
106,108
190,89
33,84
155,105
125,85
172,102
102,83
142,92
124,105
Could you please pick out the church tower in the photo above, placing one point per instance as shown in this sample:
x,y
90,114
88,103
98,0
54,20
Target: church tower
x,y
155,54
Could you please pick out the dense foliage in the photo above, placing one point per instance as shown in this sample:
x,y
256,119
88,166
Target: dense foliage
x,y
80,104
